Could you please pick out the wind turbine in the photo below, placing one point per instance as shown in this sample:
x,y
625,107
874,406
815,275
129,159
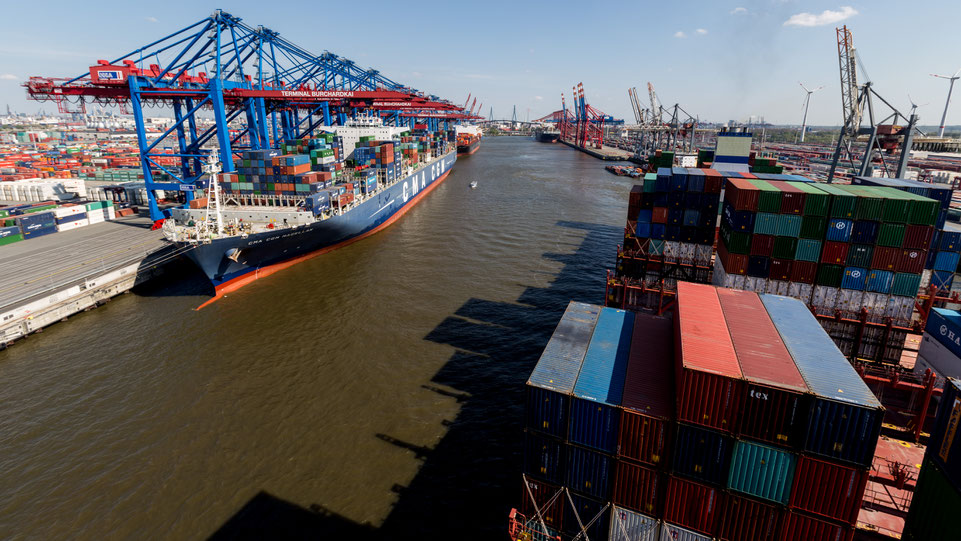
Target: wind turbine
x,y
951,78
914,106
807,101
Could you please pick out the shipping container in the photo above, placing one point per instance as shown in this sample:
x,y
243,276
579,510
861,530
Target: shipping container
x,y
648,400
671,532
885,258
843,203
804,272
544,458
741,194
792,197
813,227
638,488
762,245
745,519
834,253
691,505
801,527
589,472
709,376
583,511
839,230
550,499
769,199
845,417
944,448
865,232
816,201
628,525
702,454
934,507
595,408
860,255
553,378
762,471
918,237
828,489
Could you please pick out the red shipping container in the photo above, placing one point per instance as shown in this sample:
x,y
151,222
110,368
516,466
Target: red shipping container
x,y
912,260
733,263
745,174
780,269
744,518
741,194
885,258
804,272
648,398
918,236
691,505
762,245
713,181
775,388
638,488
709,376
828,489
792,198
835,253
798,527
552,514
659,215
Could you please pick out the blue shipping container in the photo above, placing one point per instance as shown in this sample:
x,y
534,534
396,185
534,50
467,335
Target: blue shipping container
x,y
839,230
544,458
658,231
945,444
691,217
946,261
645,216
945,326
643,230
845,415
7,231
600,383
679,179
663,182
587,509
695,180
702,454
854,278
950,241
589,472
762,471
942,280
552,381
864,232
879,281
738,220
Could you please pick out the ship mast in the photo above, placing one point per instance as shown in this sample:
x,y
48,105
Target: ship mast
x,y
212,168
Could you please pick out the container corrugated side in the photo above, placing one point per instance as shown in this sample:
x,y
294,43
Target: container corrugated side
x,y
762,471
744,518
828,489
934,508
587,509
845,417
589,472
595,408
553,378
800,527
648,401
551,508
702,454
691,505
709,390
627,525
944,447
544,458
671,532
774,408
638,488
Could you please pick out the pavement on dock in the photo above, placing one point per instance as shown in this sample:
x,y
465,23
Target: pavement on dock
x,y
39,266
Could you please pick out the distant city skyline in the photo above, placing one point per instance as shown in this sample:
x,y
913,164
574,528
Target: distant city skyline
x,y
720,61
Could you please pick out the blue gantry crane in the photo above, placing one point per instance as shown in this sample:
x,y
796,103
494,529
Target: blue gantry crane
x,y
261,89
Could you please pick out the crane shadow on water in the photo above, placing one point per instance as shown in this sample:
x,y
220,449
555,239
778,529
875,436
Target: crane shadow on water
x,y
468,482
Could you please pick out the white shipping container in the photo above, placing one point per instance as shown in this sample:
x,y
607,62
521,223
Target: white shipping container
x,y
686,252
627,525
61,212
672,251
670,532
110,212
72,225
825,298
96,216
703,255
938,357
800,291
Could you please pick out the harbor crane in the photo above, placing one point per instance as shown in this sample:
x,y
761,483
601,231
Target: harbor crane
x,y
952,79
807,102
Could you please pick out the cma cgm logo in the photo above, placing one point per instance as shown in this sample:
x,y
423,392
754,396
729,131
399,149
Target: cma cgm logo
x,y
946,332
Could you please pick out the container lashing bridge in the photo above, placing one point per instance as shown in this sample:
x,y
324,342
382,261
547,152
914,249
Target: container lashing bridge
x,y
260,88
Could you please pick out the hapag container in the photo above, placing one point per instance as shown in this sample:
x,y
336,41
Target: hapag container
x,y
944,448
708,381
638,488
762,471
600,383
552,380
587,509
589,472
648,400
912,261
701,454
839,230
946,261
773,404
950,241
627,525
549,499
828,489
670,532
945,326
845,417
879,281
801,527
854,278
691,505
544,458
934,508
743,518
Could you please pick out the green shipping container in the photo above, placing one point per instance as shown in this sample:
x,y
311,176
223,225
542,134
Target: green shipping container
x,y
785,247
934,507
808,250
870,203
830,275
922,210
735,241
765,223
843,203
813,227
895,205
816,202
859,255
906,284
10,239
4,213
891,235
650,180
762,471
788,225
769,200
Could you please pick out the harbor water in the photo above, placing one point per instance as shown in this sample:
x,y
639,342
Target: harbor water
x,y
376,391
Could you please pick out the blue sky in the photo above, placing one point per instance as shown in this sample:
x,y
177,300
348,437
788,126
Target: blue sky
x,y
719,60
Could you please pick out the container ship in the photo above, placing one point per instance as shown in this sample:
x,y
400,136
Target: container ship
x,y
310,197
548,136
468,139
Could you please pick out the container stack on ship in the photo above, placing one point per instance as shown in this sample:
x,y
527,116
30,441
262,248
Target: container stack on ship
x,y
468,139
735,417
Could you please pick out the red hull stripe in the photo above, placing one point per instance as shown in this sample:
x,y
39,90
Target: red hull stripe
x,y
240,281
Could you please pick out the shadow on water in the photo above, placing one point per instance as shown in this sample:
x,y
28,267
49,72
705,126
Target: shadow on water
x,y
467,484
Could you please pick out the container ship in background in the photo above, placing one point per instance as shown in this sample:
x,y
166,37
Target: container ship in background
x,y
548,136
468,139
313,195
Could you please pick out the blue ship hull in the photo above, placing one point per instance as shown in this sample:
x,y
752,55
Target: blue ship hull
x,y
264,253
